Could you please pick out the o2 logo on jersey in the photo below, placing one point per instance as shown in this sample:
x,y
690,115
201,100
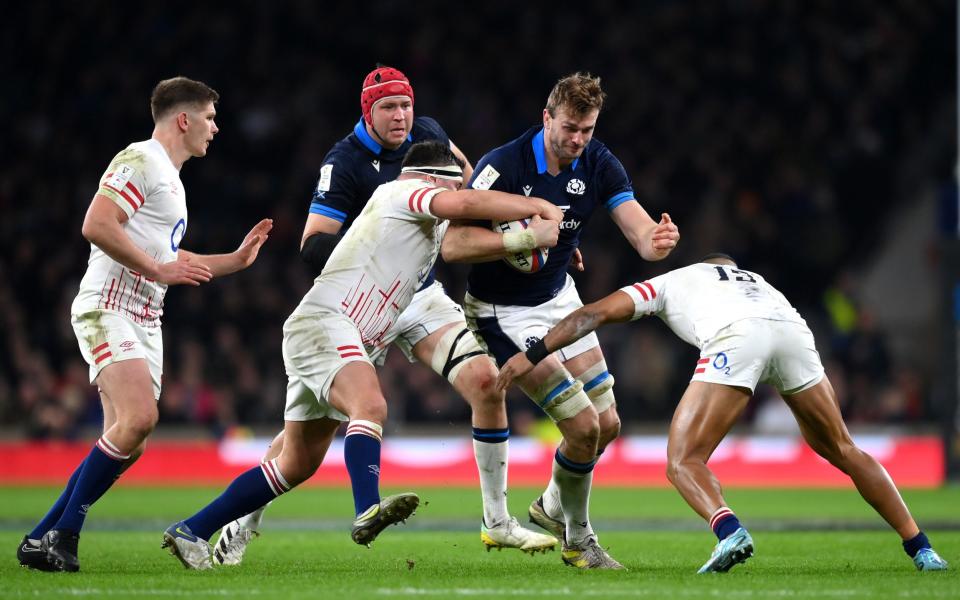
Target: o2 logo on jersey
x,y
576,186
720,363
176,236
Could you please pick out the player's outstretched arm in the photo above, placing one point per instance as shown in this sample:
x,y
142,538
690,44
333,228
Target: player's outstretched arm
x,y
615,308
472,244
239,259
491,205
652,240
103,227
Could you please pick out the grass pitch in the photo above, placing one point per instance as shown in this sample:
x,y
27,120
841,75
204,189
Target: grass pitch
x,y
809,544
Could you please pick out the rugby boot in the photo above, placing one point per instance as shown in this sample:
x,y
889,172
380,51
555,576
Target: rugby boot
x,y
233,541
190,550
390,510
588,555
731,550
510,534
60,547
538,516
32,556
927,559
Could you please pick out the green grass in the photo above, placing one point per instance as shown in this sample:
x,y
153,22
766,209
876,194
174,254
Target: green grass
x,y
810,544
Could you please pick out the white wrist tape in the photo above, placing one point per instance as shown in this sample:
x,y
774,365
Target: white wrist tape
x,y
517,241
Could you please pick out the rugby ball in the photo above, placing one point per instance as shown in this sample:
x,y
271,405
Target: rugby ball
x,y
525,261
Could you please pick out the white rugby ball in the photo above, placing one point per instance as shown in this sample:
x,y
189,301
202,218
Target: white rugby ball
x,y
525,261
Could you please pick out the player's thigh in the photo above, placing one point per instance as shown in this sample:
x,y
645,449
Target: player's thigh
x,y
356,390
704,416
818,414
106,338
129,386
453,353
316,349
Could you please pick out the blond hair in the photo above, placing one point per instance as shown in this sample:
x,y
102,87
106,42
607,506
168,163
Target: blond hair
x,y
579,94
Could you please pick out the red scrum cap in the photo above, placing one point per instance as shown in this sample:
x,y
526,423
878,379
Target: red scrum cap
x,y
383,82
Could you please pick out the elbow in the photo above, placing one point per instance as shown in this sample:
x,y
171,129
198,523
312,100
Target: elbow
x,y
90,231
450,253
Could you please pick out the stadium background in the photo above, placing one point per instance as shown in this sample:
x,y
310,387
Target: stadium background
x,y
815,141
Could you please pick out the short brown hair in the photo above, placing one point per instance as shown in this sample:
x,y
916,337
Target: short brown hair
x,y
578,93
170,93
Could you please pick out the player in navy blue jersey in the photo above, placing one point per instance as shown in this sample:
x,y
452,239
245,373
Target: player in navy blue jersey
x,y
510,310
432,329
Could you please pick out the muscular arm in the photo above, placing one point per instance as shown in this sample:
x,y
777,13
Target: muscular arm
x,y
103,227
615,308
618,307
651,240
490,205
471,244
319,239
239,259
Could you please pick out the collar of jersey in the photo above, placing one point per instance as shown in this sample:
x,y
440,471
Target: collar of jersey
x,y
540,154
360,130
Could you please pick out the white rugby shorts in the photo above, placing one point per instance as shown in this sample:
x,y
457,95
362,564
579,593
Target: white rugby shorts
x,y
505,330
315,348
108,337
779,353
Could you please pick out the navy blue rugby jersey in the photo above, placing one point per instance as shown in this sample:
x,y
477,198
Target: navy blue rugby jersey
x,y
357,165
520,167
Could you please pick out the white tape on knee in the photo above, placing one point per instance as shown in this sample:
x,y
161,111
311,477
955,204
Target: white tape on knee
x,y
598,384
454,350
561,397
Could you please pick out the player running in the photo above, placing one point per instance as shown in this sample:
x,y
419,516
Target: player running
x,y
510,310
330,339
135,225
432,329
747,332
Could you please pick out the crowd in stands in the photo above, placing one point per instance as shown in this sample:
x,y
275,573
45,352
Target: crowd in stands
x,y
773,131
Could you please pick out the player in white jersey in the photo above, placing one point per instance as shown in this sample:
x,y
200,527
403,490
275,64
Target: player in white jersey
x,y
747,332
329,339
135,224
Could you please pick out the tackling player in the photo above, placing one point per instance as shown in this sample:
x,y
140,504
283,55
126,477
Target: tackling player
x,y
432,329
329,340
135,225
561,162
747,332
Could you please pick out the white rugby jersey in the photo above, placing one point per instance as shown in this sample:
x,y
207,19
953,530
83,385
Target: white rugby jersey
x,y
699,300
382,260
143,182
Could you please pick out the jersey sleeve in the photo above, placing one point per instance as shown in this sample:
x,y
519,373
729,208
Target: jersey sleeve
x,y
490,174
615,184
336,190
647,296
426,129
414,201
125,181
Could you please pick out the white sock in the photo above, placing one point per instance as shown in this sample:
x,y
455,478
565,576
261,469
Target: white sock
x,y
252,521
575,501
551,500
492,465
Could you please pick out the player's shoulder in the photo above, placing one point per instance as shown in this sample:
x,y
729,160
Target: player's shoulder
x,y
599,153
426,129
141,154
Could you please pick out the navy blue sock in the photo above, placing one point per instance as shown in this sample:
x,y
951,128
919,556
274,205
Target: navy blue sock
x,y
100,470
916,544
361,453
245,494
491,436
724,522
53,515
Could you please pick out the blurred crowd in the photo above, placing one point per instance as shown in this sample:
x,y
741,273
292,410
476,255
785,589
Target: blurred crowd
x,y
774,131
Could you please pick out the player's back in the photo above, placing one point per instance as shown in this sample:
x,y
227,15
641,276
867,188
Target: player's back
x,y
699,300
145,184
382,260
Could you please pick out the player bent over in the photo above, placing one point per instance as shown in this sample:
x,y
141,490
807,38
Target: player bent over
x,y
367,283
747,333
135,224
432,330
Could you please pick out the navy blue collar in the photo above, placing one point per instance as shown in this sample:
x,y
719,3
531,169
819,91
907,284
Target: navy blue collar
x,y
540,154
360,130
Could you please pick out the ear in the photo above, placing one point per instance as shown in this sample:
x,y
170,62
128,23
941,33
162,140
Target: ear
x,y
182,121
546,118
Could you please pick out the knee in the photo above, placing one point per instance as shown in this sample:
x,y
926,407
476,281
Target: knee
x,y
480,391
586,430
609,430
139,425
372,409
